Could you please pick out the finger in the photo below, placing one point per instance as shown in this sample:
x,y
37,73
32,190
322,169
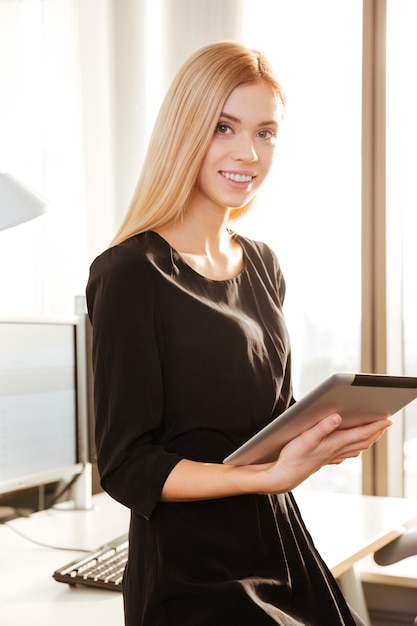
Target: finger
x,y
364,436
351,454
311,443
319,432
326,426
354,448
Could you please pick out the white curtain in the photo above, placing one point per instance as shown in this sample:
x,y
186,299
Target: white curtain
x,y
42,262
80,84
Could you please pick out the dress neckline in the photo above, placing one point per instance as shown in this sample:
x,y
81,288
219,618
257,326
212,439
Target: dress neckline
x,y
189,268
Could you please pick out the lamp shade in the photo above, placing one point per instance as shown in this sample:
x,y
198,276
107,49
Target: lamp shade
x,y
18,204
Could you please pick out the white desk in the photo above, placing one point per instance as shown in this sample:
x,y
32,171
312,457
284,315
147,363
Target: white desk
x,y
347,528
28,593
344,528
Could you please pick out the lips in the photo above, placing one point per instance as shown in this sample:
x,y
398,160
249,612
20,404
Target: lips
x,y
237,178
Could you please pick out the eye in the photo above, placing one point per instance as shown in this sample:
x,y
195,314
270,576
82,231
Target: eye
x,y
223,129
268,135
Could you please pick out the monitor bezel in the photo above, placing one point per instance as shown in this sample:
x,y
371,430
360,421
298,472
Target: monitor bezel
x,y
66,471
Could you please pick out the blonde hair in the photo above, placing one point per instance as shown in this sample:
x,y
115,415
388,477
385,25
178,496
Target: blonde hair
x,y
184,129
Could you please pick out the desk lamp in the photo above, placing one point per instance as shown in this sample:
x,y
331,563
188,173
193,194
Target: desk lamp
x,y
18,204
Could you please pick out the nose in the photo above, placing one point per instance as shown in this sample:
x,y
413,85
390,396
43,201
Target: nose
x,y
244,149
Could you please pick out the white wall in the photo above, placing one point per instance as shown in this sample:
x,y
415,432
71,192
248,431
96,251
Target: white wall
x,y
95,23
130,50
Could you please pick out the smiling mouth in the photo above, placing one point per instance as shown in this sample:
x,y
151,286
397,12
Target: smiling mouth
x,y
237,178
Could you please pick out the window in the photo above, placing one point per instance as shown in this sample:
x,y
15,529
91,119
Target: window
x,y
310,211
402,213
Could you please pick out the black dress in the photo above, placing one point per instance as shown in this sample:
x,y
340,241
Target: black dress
x,y
187,367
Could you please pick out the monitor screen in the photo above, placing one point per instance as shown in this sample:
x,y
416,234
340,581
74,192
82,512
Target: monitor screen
x,y
39,438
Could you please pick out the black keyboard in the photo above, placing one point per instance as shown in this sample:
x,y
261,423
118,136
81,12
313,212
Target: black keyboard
x,y
103,567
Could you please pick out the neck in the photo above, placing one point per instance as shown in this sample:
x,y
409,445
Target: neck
x,y
199,232
205,244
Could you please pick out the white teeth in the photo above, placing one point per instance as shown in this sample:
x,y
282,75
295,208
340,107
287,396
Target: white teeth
x,y
237,178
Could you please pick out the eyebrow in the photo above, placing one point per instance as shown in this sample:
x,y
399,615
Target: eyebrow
x,y
232,118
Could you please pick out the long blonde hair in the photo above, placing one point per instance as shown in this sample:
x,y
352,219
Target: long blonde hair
x,y
184,129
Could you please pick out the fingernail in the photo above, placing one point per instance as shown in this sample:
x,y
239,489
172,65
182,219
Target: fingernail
x,y
336,418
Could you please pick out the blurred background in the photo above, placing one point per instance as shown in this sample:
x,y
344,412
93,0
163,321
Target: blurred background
x,y
80,85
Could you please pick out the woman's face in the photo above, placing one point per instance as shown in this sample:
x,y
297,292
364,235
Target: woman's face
x,y
241,151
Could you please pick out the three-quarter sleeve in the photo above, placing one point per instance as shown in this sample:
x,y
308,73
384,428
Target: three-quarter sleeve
x,y
128,382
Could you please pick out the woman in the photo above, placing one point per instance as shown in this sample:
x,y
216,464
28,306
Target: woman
x,y
192,357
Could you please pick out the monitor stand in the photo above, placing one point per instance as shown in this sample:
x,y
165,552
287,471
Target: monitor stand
x,y
80,493
82,490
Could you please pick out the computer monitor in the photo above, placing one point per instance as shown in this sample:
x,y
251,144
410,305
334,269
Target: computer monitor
x,y
43,421
89,378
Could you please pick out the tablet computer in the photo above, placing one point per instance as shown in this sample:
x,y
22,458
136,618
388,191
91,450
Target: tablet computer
x,y
358,398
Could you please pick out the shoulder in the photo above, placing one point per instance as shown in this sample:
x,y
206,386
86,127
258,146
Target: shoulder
x,y
264,261
258,249
123,273
259,253
136,260
130,255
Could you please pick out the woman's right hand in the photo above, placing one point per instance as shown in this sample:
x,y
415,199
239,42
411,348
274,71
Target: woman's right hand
x,y
320,445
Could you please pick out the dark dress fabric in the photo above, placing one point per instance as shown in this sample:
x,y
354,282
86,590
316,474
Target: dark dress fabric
x,y
187,367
